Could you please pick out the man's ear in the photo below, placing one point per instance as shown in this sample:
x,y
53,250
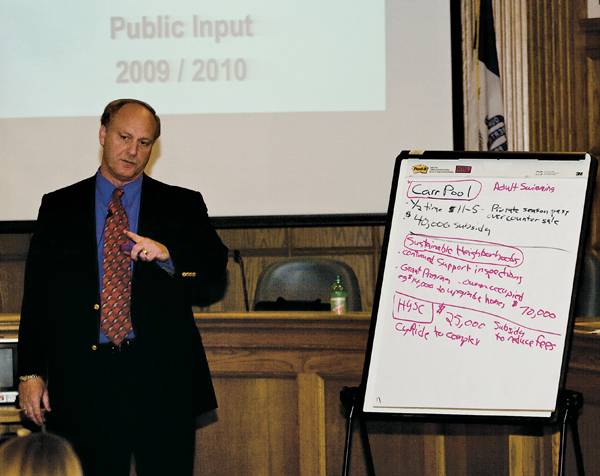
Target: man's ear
x,y
102,135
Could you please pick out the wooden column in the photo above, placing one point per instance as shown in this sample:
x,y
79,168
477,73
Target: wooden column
x,y
311,425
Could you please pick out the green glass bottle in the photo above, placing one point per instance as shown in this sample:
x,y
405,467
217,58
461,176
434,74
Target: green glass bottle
x,y
338,296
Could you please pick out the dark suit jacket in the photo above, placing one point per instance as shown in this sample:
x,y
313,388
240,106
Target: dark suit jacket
x,y
60,313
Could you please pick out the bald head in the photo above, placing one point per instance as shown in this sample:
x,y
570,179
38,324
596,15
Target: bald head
x,y
113,107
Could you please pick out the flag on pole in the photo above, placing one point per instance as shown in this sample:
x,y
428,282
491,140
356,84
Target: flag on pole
x,y
487,129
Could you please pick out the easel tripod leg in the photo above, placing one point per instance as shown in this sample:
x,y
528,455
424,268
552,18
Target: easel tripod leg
x,y
349,397
348,446
367,447
563,443
577,447
571,403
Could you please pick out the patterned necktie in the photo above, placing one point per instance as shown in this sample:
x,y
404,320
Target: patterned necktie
x,y
116,283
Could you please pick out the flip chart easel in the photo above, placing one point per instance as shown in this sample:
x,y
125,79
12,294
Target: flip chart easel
x,y
473,313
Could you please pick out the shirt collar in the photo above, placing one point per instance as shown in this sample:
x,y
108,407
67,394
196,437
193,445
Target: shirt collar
x,y
104,190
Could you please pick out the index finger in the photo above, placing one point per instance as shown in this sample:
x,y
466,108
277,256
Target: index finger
x,y
46,401
37,415
133,236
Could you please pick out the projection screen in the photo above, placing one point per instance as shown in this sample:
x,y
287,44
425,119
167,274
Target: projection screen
x,y
269,107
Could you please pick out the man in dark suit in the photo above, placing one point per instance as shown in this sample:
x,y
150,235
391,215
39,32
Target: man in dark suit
x,y
109,354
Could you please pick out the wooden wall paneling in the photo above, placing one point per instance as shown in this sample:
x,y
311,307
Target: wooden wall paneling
x,y
556,78
593,88
578,74
278,378
578,68
9,325
556,454
556,98
311,424
332,237
525,455
311,353
540,77
13,253
256,432
398,447
258,248
591,29
491,449
548,464
487,449
468,449
591,32
535,71
588,423
584,368
434,450
455,442
408,448
11,284
558,111
561,70
588,46
255,238
419,448
358,246
14,246
378,235
335,422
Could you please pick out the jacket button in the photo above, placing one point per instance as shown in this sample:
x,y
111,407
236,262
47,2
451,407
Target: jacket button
x,y
96,307
94,347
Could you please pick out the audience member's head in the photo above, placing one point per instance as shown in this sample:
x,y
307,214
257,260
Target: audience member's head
x,y
38,454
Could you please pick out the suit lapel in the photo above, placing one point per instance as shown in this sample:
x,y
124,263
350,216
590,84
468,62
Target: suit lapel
x,y
149,208
87,226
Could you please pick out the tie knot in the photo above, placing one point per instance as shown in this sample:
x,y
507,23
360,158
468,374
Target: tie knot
x,y
115,203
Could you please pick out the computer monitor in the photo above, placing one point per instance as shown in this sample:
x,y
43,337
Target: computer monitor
x,y
9,380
